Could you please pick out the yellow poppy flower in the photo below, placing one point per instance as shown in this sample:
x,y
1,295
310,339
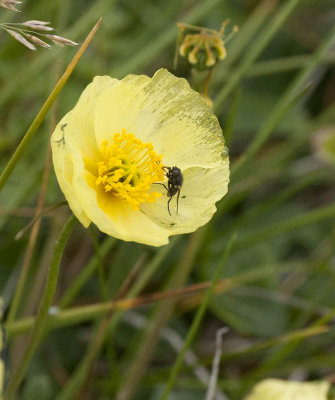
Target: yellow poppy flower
x,y
277,389
111,151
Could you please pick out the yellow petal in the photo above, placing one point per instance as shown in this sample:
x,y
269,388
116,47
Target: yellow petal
x,y
276,389
63,165
201,189
78,123
77,127
118,107
163,110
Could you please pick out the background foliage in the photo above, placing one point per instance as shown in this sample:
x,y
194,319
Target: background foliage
x,y
280,272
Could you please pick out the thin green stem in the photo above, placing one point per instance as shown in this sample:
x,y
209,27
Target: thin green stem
x,y
285,64
41,319
206,83
307,218
196,28
197,319
16,27
39,216
45,108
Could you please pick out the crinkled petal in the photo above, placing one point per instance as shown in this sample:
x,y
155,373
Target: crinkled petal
x,y
163,110
119,106
201,189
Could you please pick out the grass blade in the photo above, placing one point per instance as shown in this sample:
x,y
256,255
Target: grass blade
x,y
45,108
46,302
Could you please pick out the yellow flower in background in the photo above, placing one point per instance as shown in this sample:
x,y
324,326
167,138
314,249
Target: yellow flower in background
x,y
113,150
276,389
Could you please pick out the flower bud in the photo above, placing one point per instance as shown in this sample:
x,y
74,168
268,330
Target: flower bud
x,y
203,49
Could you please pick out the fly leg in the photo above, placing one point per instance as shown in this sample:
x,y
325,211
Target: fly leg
x,y
168,205
158,183
178,200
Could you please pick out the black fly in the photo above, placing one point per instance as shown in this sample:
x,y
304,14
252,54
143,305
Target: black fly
x,y
174,184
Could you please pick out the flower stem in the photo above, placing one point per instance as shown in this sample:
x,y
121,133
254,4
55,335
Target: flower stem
x,y
206,83
48,295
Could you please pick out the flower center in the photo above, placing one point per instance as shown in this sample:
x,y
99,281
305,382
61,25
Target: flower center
x,y
127,169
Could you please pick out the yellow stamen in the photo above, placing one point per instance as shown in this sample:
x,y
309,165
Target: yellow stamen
x,y
128,167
